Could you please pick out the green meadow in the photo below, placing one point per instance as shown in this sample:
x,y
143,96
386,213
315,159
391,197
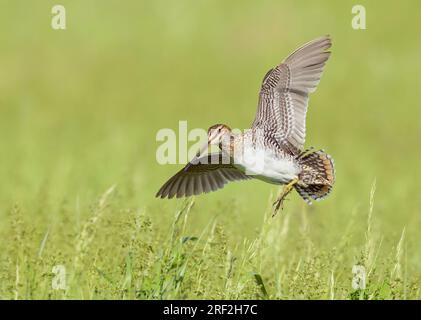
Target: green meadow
x,y
79,112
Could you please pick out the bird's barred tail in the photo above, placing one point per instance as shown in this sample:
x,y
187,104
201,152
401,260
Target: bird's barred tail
x,y
318,174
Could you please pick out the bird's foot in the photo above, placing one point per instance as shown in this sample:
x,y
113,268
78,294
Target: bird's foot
x,y
278,204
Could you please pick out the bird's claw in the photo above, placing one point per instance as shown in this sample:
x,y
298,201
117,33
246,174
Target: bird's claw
x,y
278,204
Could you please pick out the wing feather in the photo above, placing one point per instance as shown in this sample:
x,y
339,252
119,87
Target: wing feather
x,y
201,177
283,99
198,185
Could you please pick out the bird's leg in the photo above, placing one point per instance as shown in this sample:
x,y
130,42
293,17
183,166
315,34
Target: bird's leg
x,y
285,191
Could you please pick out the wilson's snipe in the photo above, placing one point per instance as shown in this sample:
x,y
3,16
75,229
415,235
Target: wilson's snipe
x,y
272,150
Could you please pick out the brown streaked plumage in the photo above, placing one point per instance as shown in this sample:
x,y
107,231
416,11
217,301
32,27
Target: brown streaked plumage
x,y
203,177
276,138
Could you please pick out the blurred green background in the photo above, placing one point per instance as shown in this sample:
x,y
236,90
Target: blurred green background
x,y
80,108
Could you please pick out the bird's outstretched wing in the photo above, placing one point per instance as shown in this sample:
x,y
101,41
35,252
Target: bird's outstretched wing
x,y
207,174
283,99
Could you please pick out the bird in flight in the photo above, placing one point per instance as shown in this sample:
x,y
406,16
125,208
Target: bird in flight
x,y
272,150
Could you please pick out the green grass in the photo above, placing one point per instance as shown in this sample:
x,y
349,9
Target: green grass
x,y
79,111
128,254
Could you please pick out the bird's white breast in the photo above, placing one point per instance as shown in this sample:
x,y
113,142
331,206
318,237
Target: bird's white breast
x,y
263,164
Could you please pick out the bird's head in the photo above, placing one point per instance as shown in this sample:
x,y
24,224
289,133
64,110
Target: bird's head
x,y
218,133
